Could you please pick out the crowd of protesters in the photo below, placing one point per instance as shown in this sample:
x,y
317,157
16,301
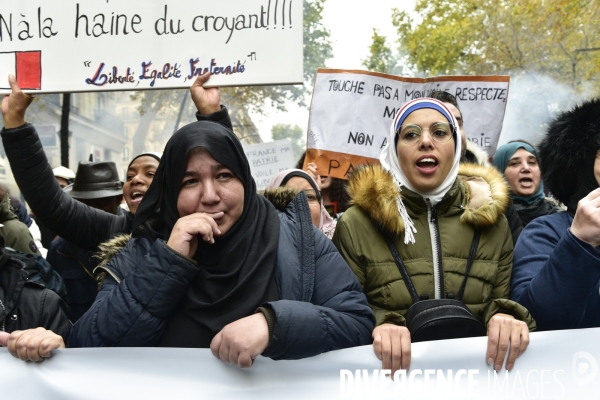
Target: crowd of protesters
x,y
313,263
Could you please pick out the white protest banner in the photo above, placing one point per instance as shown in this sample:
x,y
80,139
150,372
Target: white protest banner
x,y
80,46
267,159
557,365
351,113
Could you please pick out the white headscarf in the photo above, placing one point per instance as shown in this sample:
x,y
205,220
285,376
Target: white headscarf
x,y
390,162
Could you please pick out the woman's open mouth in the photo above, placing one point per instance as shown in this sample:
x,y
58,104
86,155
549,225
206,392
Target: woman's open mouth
x,y
526,182
137,196
427,164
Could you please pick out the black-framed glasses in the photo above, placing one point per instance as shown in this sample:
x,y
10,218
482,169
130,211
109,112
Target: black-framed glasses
x,y
440,132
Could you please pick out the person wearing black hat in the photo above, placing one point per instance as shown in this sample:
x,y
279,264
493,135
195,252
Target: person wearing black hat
x,y
96,185
556,272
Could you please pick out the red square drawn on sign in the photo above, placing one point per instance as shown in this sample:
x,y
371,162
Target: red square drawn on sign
x,y
29,69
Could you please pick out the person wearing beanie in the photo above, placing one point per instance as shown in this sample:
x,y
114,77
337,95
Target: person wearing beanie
x,y
556,272
518,161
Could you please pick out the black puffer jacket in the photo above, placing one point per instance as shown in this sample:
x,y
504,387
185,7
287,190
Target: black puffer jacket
x,y
74,221
25,304
321,306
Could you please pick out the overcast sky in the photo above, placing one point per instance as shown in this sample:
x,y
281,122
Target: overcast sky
x,y
351,24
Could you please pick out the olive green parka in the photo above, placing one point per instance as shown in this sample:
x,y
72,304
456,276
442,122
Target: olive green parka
x,y
476,200
15,233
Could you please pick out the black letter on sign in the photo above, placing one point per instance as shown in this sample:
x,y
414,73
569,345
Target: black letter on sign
x,y
331,166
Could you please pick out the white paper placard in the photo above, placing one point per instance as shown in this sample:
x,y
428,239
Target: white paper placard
x,y
351,113
268,159
74,45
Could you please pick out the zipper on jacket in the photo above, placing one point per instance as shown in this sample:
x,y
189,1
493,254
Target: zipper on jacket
x,y
436,251
22,266
3,320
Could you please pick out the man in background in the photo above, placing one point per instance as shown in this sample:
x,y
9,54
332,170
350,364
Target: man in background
x,y
64,176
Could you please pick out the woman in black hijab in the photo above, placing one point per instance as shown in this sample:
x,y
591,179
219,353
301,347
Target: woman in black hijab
x,y
214,264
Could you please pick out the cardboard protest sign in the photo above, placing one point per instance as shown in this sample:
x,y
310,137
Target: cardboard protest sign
x,y
352,111
268,159
75,46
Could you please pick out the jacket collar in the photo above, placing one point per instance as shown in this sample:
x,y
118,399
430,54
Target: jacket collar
x,y
482,193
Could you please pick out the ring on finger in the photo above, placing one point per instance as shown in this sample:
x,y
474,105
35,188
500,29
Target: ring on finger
x,y
29,96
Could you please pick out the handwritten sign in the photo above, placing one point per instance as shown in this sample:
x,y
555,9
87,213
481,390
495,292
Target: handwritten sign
x,y
268,159
74,46
352,111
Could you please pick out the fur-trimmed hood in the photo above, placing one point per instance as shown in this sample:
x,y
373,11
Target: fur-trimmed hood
x,y
486,196
569,149
280,197
106,251
6,211
481,155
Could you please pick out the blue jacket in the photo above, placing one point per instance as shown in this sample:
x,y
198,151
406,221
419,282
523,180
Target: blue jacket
x,y
322,306
75,265
556,275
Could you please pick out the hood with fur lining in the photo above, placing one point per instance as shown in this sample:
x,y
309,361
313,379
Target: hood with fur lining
x,y
280,197
486,196
106,251
569,149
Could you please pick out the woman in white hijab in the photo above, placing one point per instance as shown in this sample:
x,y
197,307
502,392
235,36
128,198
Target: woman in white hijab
x,y
448,231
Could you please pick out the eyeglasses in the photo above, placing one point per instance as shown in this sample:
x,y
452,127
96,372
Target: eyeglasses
x,y
312,196
440,132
